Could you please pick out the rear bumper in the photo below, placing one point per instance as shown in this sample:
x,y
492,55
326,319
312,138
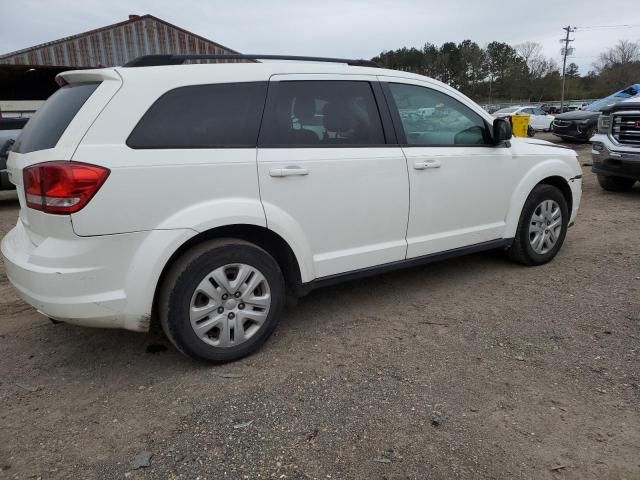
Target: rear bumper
x,y
609,162
106,281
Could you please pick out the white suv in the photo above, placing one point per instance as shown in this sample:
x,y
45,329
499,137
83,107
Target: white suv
x,y
203,194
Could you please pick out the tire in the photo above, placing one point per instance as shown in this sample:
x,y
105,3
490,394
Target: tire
x,y
615,184
202,283
589,133
531,131
535,221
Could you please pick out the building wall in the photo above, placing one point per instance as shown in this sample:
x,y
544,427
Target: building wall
x,y
116,45
19,108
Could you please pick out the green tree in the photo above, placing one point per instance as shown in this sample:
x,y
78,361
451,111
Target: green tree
x,y
473,67
572,71
501,72
506,70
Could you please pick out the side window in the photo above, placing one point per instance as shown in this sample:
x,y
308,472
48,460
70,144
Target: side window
x,y
528,111
430,117
203,116
319,113
539,111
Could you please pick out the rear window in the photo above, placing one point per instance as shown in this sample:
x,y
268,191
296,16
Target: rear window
x,y
45,128
203,116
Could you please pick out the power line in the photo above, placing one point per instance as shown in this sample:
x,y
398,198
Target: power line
x,y
594,27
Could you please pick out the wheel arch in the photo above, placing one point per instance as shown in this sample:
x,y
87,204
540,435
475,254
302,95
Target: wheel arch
x,y
561,184
555,174
266,239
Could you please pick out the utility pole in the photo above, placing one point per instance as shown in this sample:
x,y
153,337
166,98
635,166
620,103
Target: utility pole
x,y
565,51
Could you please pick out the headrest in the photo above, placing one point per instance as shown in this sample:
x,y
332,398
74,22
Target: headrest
x,y
338,117
304,108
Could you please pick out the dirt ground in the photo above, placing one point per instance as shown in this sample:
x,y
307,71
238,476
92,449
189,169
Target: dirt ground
x,y
470,368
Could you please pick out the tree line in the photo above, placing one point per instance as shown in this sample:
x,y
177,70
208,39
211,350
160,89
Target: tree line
x,y
501,72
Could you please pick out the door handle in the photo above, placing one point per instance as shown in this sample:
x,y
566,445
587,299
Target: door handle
x,y
424,164
288,171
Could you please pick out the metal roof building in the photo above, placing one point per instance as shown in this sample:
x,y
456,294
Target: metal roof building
x,y
29,73
115,44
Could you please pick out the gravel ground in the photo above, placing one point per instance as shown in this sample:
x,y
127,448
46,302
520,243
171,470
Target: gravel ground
x,y
470,368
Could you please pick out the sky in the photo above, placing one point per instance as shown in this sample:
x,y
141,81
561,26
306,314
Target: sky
x,y
339,28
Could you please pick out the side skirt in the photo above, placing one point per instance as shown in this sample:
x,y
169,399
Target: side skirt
x,y
411,262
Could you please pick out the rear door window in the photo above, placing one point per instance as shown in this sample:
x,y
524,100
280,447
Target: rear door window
x,y
45,128
203,116
322,113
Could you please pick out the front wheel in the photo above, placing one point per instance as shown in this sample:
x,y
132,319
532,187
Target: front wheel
x,y
221,300
615,184
542,226
590,132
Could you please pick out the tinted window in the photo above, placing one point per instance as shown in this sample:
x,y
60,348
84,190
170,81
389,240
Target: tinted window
x,y
430,117
322,113
45,128
203,116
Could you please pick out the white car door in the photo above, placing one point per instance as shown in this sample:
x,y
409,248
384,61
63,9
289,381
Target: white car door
x,y
534,120
543,120
460,183
329,175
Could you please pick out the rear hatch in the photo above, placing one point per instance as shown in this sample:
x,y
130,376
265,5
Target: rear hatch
x,y
53,134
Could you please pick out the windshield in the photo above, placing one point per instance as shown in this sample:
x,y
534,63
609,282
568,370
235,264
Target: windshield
x,y
507,110
614,99
598,105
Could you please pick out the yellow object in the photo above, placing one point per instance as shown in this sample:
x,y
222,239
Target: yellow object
x,y
520,124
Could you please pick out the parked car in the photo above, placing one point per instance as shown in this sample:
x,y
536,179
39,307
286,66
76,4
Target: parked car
x,y
539,120
579,105
616,159
572,107
10,128
581,124
550,109
203,194
490,108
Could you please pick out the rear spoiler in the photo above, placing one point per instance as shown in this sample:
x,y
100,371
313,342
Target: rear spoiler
x,y
83,76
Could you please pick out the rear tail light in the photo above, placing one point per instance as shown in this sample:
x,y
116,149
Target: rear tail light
x,y
62,187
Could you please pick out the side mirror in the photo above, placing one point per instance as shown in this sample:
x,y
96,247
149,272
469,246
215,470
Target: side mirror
x,y
501,130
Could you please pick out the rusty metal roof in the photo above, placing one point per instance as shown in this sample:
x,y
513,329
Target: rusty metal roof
x,y
116,44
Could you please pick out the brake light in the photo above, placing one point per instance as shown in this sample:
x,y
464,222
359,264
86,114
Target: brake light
x,y
62,187
61,81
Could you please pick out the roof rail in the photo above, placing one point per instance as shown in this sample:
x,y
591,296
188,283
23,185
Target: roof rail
x,y
155,60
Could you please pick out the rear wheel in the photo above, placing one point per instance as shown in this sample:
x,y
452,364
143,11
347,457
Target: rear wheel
x,y
542,226
221,300
531,131
615,184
